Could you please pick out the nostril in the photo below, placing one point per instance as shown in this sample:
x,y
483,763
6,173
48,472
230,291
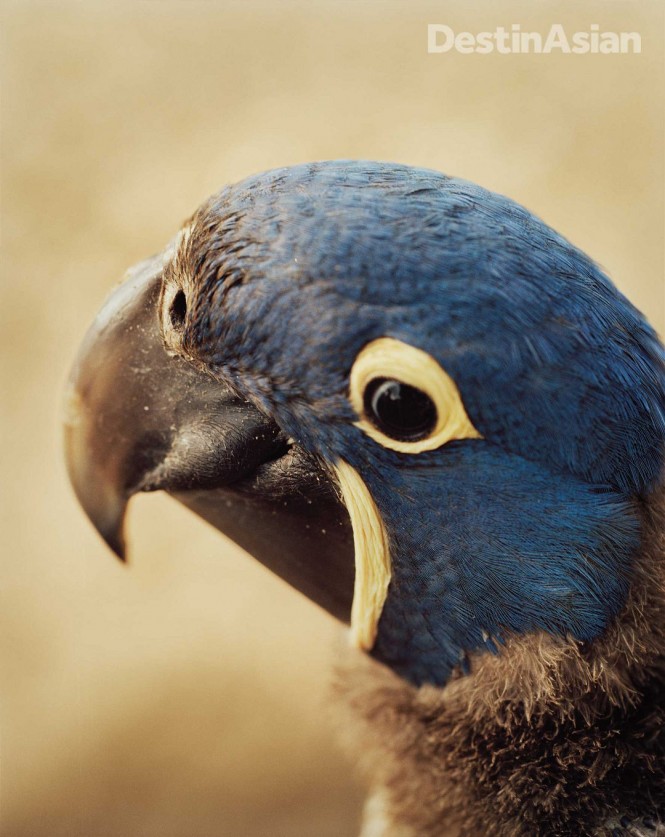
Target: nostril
x,y
178,310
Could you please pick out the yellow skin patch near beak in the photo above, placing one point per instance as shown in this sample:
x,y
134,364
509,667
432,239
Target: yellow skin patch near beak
x,y
372,556
393,359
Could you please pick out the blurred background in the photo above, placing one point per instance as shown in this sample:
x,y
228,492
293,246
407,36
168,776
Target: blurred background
x,y
186,694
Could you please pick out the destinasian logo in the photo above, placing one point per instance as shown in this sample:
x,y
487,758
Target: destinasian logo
x,y
510,41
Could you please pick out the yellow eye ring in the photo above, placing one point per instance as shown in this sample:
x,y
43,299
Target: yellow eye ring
x,y
397,363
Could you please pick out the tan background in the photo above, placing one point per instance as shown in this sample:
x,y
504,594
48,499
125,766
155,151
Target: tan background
x,y
186,695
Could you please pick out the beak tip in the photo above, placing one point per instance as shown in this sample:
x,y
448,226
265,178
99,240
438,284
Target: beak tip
x,y
111,528
116,543
97,491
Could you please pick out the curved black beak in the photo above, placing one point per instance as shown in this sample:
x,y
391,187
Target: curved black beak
x,y
138,419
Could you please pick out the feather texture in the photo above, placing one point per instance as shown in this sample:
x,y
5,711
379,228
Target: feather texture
x,y
551,738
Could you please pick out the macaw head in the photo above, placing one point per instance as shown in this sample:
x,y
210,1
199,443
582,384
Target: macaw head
x,y
405,394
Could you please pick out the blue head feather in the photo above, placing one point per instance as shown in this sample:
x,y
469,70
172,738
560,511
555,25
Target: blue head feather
x,y
534,525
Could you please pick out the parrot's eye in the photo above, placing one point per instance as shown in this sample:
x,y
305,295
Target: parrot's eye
x,y
178,310
405,400
399,410
173,315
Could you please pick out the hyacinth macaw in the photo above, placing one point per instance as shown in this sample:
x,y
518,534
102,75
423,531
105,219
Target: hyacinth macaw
x,y
441,421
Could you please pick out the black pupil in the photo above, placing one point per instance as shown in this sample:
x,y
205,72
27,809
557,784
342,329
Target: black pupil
x,y
178,310
399,410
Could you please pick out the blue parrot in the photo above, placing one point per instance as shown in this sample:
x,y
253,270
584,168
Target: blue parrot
x,y
440,420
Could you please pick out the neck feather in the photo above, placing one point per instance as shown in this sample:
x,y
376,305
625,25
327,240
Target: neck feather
x,y
550,737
